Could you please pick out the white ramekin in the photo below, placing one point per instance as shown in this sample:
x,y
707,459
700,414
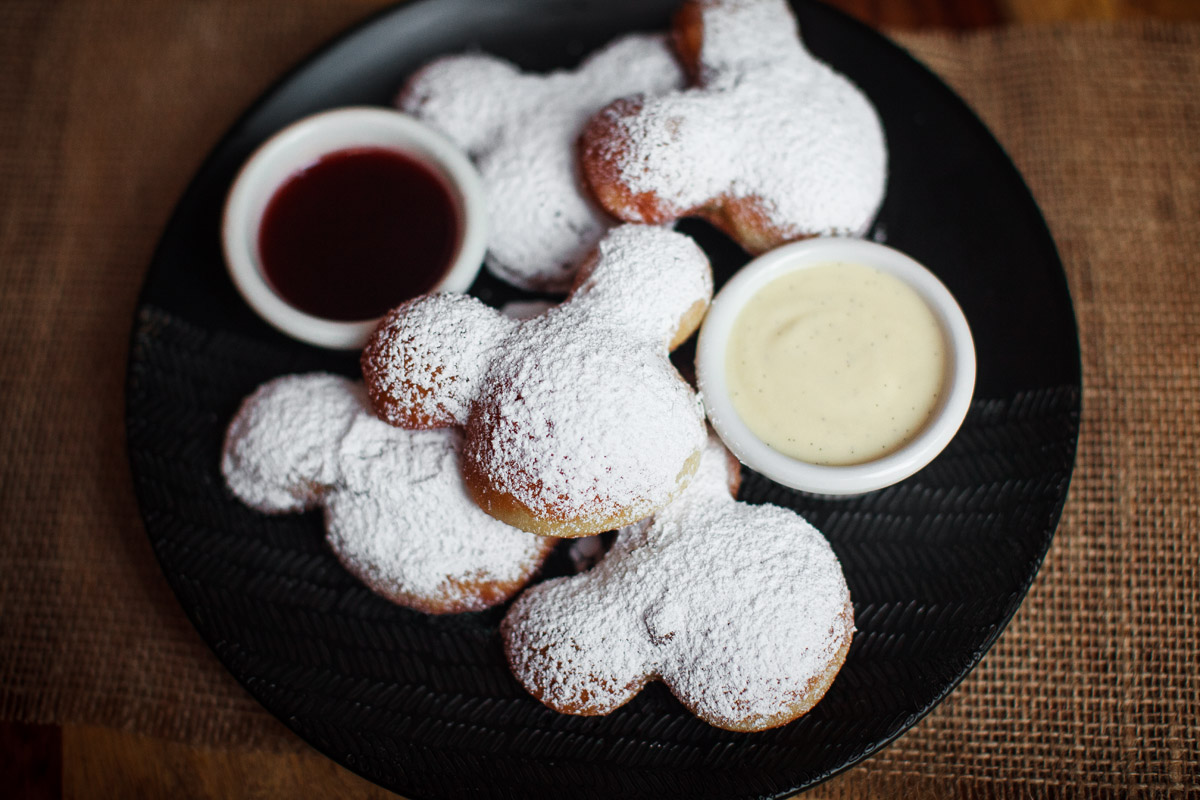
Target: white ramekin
x,y
300,145
834,480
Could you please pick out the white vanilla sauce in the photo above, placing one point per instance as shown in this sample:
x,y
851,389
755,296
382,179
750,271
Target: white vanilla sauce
x,y
836,364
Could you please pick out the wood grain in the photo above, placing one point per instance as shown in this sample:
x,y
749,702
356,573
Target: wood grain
x,y
102,763
31,761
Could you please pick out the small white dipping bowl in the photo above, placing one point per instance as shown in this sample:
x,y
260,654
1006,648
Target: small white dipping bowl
x,y
947,416
299,146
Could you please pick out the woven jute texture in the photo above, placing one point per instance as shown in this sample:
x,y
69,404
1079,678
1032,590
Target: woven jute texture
x,y
107,109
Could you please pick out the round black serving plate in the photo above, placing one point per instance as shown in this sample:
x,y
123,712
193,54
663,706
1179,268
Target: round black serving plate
x,y
425,706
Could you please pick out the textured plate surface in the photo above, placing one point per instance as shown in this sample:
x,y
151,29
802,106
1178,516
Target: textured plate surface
x,y
937,565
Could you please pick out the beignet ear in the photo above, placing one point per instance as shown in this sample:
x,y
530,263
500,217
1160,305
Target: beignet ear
x,y
424,362
280,451
651,280
718,37
578,666
445,93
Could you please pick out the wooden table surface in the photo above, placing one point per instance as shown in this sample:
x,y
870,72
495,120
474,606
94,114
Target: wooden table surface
x,y
71,761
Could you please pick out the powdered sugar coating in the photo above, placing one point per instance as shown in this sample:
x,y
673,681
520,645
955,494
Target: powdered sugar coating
x,y
425,374
579,422
566,443
396,512
643,280
771,144
278,449
741,610
521,130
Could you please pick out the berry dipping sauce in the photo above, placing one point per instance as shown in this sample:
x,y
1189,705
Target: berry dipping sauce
x,y
357,233
346,214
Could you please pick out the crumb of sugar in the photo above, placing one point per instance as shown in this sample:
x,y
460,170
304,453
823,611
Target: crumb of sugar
x,y
525,309
586,551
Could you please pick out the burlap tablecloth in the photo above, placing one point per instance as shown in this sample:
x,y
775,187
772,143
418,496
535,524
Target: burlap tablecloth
x,y
107,109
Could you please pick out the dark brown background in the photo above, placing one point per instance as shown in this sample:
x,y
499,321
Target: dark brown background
x,y
106,110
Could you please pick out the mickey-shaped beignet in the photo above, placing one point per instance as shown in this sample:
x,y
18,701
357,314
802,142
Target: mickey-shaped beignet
x,y
770,145
741,610
575,420
521,130
396,513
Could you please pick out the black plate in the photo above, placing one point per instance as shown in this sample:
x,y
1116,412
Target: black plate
x,y
937,565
